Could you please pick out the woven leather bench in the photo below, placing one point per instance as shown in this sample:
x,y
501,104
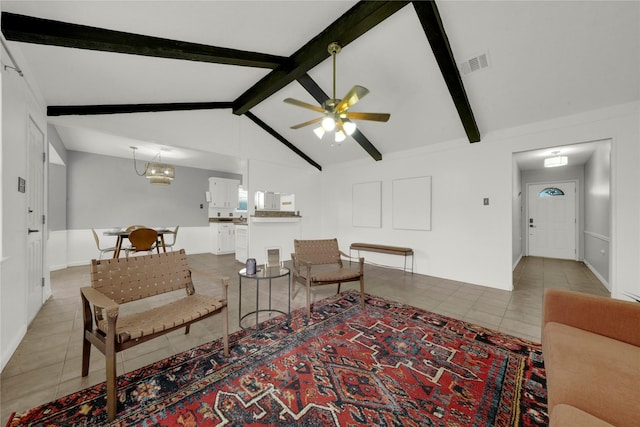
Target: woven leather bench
x,y
118,281
385,249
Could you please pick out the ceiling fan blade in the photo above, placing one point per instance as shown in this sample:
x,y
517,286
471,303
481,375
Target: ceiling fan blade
x,y
376,117
305,105
354,95
310,122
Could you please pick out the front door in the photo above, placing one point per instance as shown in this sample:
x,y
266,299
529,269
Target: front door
x,y
552,220
35,219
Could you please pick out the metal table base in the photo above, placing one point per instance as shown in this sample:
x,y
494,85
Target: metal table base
x,y
261,275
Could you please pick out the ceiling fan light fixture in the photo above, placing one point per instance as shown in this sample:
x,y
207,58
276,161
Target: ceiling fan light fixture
x,y
335,112
328,123
349,127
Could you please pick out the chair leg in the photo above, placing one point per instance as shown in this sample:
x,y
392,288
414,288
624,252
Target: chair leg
x,y
225,330
186,329
308,301
110,361
338,288
112,402
362,292
86,354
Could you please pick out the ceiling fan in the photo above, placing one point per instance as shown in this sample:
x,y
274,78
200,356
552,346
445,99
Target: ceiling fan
x,y
336,111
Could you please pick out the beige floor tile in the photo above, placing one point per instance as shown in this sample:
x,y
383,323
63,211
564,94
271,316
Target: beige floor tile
x,y
47,363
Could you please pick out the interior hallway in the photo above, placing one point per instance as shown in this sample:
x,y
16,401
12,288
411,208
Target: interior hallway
x,y
47,363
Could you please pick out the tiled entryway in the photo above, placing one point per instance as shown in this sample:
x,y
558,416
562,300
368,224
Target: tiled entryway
x,y
47,363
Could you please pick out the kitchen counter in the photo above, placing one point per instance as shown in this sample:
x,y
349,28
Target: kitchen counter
x,y
276,218
228,220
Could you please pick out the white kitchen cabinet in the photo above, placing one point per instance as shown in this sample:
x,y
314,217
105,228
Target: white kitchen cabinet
x,y
224,241
267,200
224,193
241,242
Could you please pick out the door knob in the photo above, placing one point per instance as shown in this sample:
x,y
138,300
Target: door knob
x,y
33,231
532,226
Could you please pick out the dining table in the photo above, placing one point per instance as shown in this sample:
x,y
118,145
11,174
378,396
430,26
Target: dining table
x,y
123,233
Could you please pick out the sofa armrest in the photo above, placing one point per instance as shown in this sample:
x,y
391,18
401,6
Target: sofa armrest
x,y
605,316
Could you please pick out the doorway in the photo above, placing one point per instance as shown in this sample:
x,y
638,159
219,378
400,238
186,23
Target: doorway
x,y
34,189
552,220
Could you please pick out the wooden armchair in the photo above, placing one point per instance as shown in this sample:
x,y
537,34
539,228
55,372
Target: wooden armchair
x,y
319,262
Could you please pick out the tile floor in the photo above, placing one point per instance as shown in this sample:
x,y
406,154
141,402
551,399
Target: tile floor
x,y
47,363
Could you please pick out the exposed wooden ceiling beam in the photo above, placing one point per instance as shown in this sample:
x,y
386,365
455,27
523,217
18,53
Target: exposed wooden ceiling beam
x,y
354,23
434,30
282,139
312,87
30,29
81,110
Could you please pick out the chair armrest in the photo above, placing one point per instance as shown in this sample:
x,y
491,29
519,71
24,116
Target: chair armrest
x,y
360,259
605,316
99,299
224,280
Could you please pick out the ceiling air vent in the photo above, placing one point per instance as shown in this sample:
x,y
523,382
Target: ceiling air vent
x,y
474,64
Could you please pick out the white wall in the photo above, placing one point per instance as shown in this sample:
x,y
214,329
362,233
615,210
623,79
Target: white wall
x,y
304,183
18,103
463,243
597,218
517,209
471,242
77,247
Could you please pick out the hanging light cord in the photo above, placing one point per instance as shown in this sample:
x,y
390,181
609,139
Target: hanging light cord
x,y
135,167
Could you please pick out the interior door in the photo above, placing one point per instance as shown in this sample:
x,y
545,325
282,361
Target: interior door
x,y
34,190
552,220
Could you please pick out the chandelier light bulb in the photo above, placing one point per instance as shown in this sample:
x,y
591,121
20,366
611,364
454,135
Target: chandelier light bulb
x,y
340,136
319,131
328,124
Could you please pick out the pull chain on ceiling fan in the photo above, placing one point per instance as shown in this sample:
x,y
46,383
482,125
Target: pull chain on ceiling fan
x,y
336,111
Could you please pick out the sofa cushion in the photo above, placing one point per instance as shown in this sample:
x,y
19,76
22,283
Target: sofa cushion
x,y
568,416
596,374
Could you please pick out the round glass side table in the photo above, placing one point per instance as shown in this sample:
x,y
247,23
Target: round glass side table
x,y
262,276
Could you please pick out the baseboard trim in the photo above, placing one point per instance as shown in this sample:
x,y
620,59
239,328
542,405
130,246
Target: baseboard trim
x,y
598,276
9,350
516,263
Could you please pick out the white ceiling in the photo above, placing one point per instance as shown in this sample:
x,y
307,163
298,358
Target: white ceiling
x,y
547,59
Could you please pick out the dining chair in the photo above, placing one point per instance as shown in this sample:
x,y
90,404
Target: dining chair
x,y
134,227
102,250
142,240
173,241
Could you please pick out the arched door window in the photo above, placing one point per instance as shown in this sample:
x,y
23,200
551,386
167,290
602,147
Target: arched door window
x,y
550,192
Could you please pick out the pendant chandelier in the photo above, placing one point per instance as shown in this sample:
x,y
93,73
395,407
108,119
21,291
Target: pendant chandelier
x,y
155,172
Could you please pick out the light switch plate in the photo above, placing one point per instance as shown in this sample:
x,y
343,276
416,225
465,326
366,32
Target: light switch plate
x,y
486,201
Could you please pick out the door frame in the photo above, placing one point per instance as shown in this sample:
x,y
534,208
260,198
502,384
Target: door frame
x,y
525,222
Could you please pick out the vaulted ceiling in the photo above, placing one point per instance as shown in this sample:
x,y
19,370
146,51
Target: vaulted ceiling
x,y
205,80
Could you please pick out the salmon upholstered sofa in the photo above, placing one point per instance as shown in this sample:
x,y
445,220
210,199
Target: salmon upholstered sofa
x,y
591,350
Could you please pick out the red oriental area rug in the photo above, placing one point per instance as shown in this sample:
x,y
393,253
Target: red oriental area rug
x,y
389,365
